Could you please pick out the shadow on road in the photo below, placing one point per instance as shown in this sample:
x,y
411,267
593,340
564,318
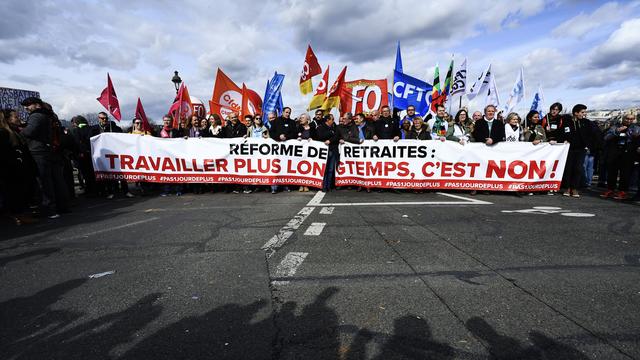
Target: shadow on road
x,y
33,328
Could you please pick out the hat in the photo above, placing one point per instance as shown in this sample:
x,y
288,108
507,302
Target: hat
x,y
30,101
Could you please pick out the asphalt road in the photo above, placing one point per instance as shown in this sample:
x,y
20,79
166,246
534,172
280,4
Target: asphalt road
x,y
344,276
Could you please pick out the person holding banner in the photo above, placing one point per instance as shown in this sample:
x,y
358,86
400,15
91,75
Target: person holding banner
x,y
534,132
512,130
488,130
405,129
386,127
328,134
419,130
136,128
194,129
284,128
215,127
365,130
438,125
234,128
459,131
347,130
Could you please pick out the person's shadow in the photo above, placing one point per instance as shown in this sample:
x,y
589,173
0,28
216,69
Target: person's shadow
x,y
412,339
505,347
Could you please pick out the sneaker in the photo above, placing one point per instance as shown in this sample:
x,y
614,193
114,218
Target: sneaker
x,y
551,193
575,194
236,192
607,194
273,191
110,196
164,194
530,194
129,195
567,193
54,216
246,191
621,195
179,193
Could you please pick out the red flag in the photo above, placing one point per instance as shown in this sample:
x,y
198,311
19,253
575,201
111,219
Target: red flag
x,y
310,69
321,92
227,96
182,107
142,116
251,103
109,100
333,98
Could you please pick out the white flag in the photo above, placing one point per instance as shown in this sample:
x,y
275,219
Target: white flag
x,y
492,92
480,85
459,84
517,93
538,102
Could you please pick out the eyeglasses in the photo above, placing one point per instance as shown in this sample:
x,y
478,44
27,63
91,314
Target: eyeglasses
x,y
102,118
630,118
137,123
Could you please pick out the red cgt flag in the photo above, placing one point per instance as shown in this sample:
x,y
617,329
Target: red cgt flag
x,y
321,92
310,69
251,103
142,116
227,96
109,100
182,107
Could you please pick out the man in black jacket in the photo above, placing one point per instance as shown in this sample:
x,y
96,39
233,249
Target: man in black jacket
x,y
40,139
365,130
284,128
576,131
234,128
328,134
387,127
488,129
347,130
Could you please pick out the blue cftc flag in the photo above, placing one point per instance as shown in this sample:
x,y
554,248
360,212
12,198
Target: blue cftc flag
x,y
408,90
272,98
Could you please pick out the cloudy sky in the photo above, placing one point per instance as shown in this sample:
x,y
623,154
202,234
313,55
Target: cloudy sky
x,y
586,52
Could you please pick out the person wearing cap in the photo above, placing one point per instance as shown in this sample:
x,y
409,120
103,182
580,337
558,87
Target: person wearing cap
x,y
39,132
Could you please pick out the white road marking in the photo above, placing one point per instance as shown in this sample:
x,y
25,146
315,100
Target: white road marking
x,y
315,229
317,198
99,275
288,266
327,210
285,233
109,229
317,201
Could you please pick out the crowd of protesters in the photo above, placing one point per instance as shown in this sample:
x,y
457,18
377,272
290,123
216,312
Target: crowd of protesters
x,y
38,156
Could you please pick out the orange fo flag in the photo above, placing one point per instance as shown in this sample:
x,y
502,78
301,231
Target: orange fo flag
x,y
251,103
310,69
182,107
333,99
227,96
321,92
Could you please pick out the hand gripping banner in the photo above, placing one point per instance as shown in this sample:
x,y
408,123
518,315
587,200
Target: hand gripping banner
x,y
433,164
209,160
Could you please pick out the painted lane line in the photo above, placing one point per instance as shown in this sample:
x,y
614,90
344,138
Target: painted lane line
x,y
288,266
327,210
403,203
315,229
109,229
285,233
317,199
470,200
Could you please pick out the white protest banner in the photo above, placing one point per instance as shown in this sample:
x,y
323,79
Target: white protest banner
x,y
433,164
208,160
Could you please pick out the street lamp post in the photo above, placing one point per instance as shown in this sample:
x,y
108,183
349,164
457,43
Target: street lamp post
x,y
176,80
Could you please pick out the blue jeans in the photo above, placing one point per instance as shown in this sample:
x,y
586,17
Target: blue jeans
x,y
588,169
330,173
